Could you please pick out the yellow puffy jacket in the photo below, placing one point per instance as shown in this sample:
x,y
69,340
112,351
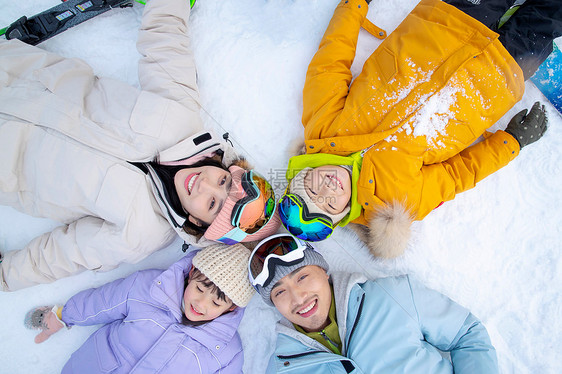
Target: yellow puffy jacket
x,y
424,96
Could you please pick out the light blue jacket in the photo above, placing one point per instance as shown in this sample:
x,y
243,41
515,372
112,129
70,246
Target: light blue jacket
x,y
390,325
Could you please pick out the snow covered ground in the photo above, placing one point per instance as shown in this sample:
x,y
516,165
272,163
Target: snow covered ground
x,y
494,249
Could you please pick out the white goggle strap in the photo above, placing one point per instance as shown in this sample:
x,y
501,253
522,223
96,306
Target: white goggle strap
x,y
287,258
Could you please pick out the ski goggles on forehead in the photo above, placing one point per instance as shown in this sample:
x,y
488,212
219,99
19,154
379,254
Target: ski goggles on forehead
x,y
253,211
280,249
300,222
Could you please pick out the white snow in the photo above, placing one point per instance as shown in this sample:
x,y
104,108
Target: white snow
x,y
494,249
434,114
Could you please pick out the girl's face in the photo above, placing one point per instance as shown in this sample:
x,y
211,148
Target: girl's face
x,y
329,186
202,192
201,304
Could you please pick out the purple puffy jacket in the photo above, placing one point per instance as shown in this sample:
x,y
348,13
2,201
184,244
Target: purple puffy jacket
x,y
143,333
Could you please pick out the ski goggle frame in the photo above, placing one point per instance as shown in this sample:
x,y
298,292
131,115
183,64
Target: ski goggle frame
x,y
280,249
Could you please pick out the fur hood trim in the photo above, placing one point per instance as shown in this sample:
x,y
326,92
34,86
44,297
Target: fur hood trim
x,y
241,162
296,147
389,231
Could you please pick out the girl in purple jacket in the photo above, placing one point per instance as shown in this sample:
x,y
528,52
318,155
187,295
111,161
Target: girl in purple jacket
x,y
183,319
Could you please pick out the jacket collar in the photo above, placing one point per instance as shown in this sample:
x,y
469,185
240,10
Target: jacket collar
x,y
341,144
348,295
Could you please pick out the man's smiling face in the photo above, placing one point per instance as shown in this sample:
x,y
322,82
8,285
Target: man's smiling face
x,y
304,297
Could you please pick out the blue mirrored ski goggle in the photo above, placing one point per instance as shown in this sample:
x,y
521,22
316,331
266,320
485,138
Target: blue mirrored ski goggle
x,y
300,222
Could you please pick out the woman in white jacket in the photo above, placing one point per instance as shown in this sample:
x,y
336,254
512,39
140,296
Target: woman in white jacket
x,y
124,169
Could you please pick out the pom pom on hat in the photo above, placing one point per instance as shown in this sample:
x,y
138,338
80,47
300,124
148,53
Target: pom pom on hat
x,y
223,222
227,267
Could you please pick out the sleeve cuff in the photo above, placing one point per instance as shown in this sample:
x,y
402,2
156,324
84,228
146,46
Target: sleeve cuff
x,y
509,141
58,313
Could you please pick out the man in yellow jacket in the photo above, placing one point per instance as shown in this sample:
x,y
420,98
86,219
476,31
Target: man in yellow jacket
x,y
396,143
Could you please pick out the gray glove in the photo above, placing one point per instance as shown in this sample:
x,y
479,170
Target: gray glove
x,y
528,128
44,319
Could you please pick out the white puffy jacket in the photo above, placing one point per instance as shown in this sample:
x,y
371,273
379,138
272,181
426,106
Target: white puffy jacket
x,y
66,136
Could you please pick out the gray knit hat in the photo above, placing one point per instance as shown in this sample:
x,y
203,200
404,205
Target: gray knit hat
x,y
297,187
311,257
227,267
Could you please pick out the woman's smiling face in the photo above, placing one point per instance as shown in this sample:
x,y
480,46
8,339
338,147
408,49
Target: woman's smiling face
x,y
202,192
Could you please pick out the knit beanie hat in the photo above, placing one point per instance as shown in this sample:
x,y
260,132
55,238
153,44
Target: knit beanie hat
x,y
297,187
227,267
222,224
311,257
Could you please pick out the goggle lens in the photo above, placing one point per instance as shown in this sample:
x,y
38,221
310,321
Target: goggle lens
x,y
254,210
302,224
278,246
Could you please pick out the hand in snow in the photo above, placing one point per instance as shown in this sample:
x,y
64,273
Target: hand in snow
x,y
528,128
43,318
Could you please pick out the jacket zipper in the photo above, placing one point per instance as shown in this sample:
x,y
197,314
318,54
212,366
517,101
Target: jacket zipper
x,y
334,345
299,354
356,319
342,360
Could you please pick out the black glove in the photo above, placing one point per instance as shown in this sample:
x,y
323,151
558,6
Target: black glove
x,y
528,128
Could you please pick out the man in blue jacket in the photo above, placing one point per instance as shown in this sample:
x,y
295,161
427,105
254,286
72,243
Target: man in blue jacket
x,y
344,323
